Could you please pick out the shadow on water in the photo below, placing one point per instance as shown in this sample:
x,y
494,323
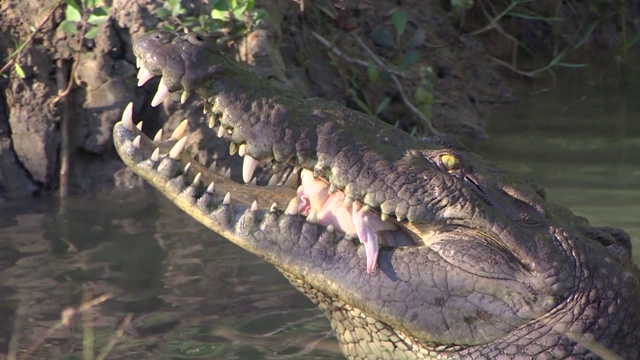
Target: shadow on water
x,y
195,295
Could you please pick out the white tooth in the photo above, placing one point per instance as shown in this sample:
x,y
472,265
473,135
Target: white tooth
x,y
155,156
274,207
139,126
205,109
176,150
138,62
180,130
330,228
196,180
249,166
220,132
212,121
127,117
332,188
185,95
158,137
161,94
144,75
292,208
227,173
186,168
254,206
136,142
292,179
242,150
233,148
254,182
273,180
213,165
312,218
210,187
384,217
347,201
227,199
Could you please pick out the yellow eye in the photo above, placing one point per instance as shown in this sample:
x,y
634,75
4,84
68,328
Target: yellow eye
x,y
449,162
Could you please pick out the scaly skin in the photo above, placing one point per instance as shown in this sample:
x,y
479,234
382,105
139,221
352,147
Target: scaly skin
x,y
494,270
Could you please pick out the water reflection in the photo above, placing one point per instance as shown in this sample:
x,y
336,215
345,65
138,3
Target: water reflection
x,y
192,293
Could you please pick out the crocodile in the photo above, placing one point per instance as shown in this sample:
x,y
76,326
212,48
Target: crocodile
x,y
414,248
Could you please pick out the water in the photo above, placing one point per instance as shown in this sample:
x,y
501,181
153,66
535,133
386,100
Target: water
x,y
194,295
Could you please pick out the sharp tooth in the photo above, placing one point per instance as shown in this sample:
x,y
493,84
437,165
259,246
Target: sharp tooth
x,y
176,150
330,228
254,206
210,187
312,218
212,121
273,180
384,216
139,126
144,75
186,168
196,180
347,201
136,142
273,208
332,188
227,199
220,132
185,95
213,165
158,137
127,117
249,166
227,173
233,148
254,182
292,179
242,150
205,109
180,130
292,208
155,156
138,62
161,94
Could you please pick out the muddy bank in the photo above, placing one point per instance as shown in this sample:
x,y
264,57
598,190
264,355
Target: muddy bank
x,y
320,49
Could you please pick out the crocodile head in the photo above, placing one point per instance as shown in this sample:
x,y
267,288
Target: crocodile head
x,y
412,247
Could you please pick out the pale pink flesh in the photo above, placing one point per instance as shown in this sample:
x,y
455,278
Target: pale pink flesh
x,y
313,194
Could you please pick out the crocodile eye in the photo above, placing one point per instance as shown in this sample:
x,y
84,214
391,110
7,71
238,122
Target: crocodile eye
x,y
449,162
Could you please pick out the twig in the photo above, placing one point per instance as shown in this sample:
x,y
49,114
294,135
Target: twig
x,y
30,38
350,59
65,320
407,102
114,339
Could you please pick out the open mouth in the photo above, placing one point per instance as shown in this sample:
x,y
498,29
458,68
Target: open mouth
x,y
295,190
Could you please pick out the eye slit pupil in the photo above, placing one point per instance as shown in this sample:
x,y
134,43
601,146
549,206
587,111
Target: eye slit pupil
x,y
450,162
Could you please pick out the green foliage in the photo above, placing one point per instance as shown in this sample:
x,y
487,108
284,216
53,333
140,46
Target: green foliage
x,y
236,16
84,17
396,37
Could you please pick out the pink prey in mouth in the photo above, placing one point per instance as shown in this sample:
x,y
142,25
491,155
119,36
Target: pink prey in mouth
x,y
348,217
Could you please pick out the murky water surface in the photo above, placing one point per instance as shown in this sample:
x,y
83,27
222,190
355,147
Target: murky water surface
x,y
193,295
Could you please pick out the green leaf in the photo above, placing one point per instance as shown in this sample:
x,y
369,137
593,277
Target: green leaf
x,y
383,105
19,71
69,27
219,14
399,19
92,33
571,65
163,13
74,4
364,107
423,96
98,16
382,36
372,71
72,14
410,58
418,37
